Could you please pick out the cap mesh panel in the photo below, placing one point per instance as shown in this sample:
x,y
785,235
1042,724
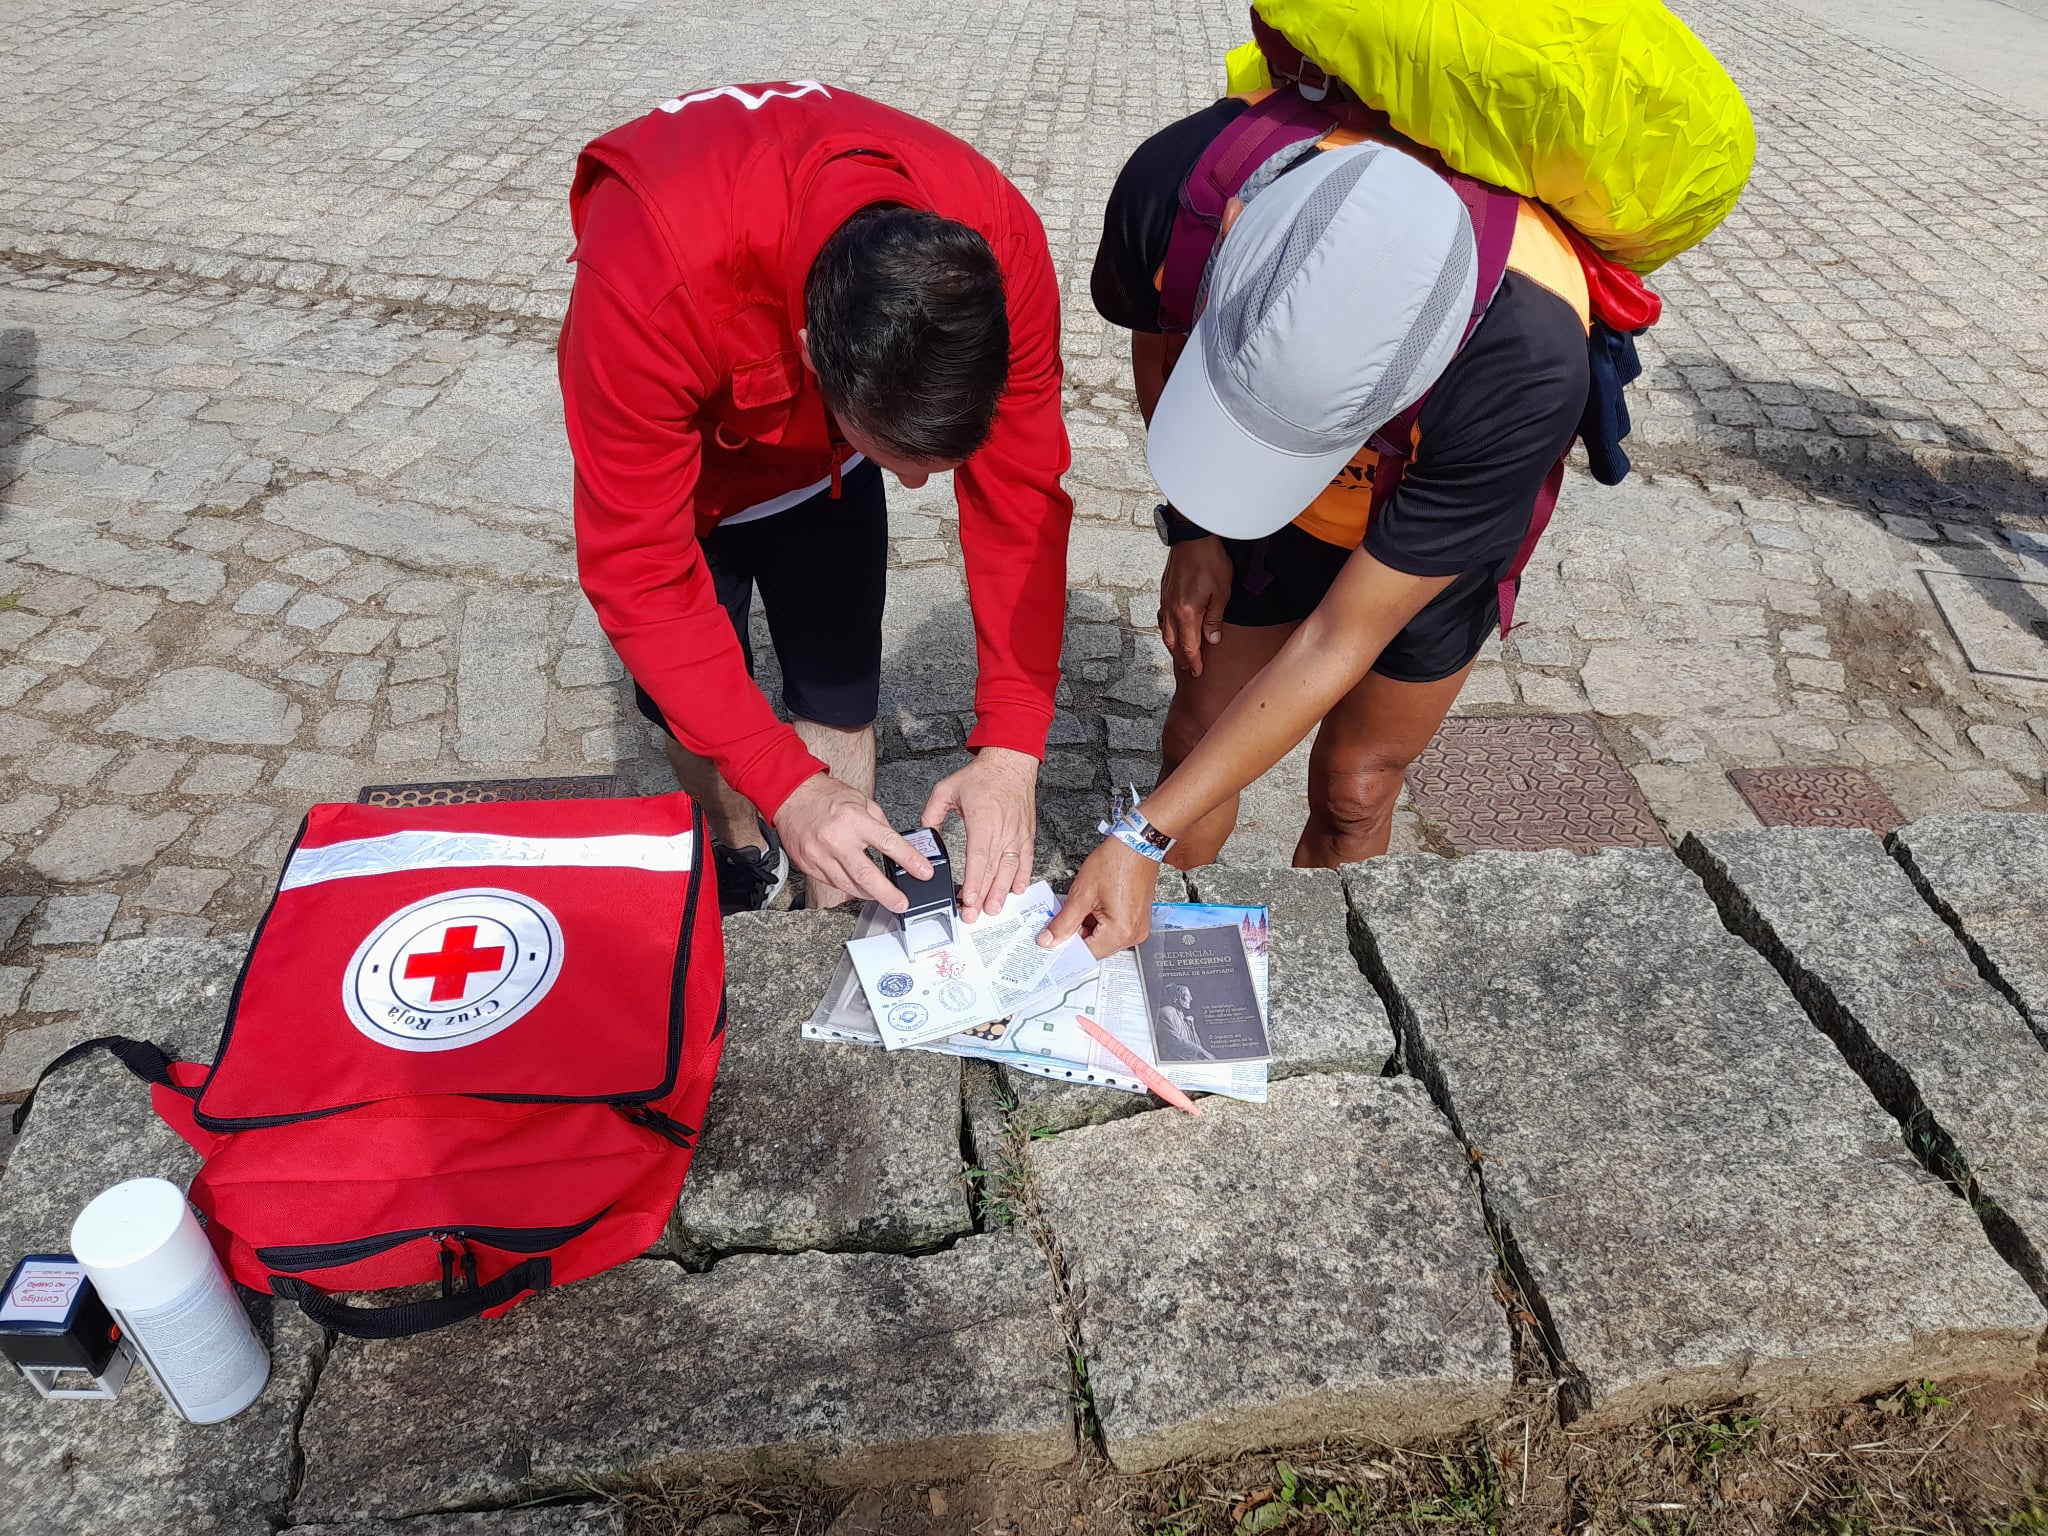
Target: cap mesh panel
x,y
1241,313
1389,392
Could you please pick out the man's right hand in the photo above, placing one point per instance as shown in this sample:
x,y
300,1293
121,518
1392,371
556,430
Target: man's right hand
x,y
1192,595
827,828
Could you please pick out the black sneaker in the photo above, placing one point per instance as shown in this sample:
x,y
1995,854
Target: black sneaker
x,y
750,878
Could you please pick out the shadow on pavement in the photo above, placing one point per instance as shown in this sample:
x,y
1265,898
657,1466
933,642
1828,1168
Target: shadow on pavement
x,y
1937,471
1888,450
17,373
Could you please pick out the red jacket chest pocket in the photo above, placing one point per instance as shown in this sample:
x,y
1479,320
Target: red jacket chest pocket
x,y
760,404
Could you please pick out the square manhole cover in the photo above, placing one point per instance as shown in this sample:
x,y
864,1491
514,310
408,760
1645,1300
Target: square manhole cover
x,y
2001,622
1530,782
596,786
1816,797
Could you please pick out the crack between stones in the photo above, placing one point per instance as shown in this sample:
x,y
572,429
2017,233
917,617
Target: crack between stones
x,y
1986,966
297,1481
977,1214
370,486
1931,1143
1518,1288
703,1261
1067,1295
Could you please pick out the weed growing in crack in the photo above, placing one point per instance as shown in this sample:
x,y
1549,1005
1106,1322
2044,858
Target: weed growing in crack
x,y
1020,1196
1708,1440
994,1192
1914,1399
1084,1396
2030,1519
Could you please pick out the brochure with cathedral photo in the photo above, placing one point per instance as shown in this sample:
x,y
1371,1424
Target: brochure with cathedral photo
x,y
1199,991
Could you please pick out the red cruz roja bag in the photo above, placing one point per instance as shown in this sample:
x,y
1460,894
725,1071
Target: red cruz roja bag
x,y
471,1046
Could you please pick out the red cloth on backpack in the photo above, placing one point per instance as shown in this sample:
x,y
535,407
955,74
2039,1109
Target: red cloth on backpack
x,y
471,1045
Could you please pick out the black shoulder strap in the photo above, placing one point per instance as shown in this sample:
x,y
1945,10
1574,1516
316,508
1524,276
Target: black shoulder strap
x,y
408,1318
149,1062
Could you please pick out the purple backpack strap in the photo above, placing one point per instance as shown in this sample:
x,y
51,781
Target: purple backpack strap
x,y
1252,138
1539,519
1494,214
1494,232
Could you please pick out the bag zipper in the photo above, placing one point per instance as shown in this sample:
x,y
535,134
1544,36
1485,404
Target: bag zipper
x,y
667,1127
293,1258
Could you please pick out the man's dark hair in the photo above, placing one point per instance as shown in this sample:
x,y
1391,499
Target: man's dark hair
x,y
908,331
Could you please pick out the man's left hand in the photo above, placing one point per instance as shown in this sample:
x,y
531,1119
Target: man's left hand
x,y
997,797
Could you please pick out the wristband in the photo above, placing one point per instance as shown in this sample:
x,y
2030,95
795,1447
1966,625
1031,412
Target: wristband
x,y
1129,827
1173,528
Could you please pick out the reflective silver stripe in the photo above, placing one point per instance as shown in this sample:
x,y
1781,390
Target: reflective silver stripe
x,y
470,850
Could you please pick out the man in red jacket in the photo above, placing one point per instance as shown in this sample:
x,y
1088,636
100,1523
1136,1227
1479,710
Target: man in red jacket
x,y
779,288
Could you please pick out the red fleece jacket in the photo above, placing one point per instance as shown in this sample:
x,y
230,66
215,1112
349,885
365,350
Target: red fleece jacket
x,y
687,399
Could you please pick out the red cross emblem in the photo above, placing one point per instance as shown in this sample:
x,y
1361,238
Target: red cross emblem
x,y
454,963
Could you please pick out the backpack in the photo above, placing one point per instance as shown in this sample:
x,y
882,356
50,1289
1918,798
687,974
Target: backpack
x,y
1253,148
1609,112
1264,140
471,1047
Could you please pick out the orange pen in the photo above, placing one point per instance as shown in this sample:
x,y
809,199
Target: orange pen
x,y
1148,1074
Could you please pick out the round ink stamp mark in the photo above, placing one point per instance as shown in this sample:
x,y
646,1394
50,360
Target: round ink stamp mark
x,y
908,1015
894,984
955,995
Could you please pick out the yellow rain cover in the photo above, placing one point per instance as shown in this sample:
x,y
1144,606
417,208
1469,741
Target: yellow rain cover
x,y
1609,111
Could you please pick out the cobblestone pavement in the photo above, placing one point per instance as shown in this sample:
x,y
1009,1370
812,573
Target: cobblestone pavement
x,y
284,495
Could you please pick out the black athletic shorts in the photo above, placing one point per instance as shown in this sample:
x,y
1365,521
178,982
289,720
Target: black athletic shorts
x,y
1300,567
822,567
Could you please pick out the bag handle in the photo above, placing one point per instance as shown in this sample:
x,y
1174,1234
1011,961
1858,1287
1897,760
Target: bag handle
x,y
413,1317
147,1061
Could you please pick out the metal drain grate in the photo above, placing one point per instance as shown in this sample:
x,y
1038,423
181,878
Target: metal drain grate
x,y
597,786
1530,782
1816,797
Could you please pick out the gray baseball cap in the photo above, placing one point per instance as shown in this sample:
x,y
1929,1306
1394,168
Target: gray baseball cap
x,y
1336,300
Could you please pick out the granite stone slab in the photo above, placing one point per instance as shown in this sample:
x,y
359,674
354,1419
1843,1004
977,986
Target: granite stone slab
x,y
133,1466
1892,985
1700,1197
815,1145
548,1520
91,1124
849,1367
173,991
1987,875
1274,1274
1051,1105
1325,1015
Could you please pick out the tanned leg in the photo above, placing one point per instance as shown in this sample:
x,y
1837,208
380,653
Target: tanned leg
x,y
1227,666
1355,769
728,813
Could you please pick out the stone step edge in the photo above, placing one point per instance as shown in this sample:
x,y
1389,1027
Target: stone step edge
x,y
1931,1143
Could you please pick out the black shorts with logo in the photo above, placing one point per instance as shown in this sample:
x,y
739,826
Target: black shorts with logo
x,y
822,567
1299,568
